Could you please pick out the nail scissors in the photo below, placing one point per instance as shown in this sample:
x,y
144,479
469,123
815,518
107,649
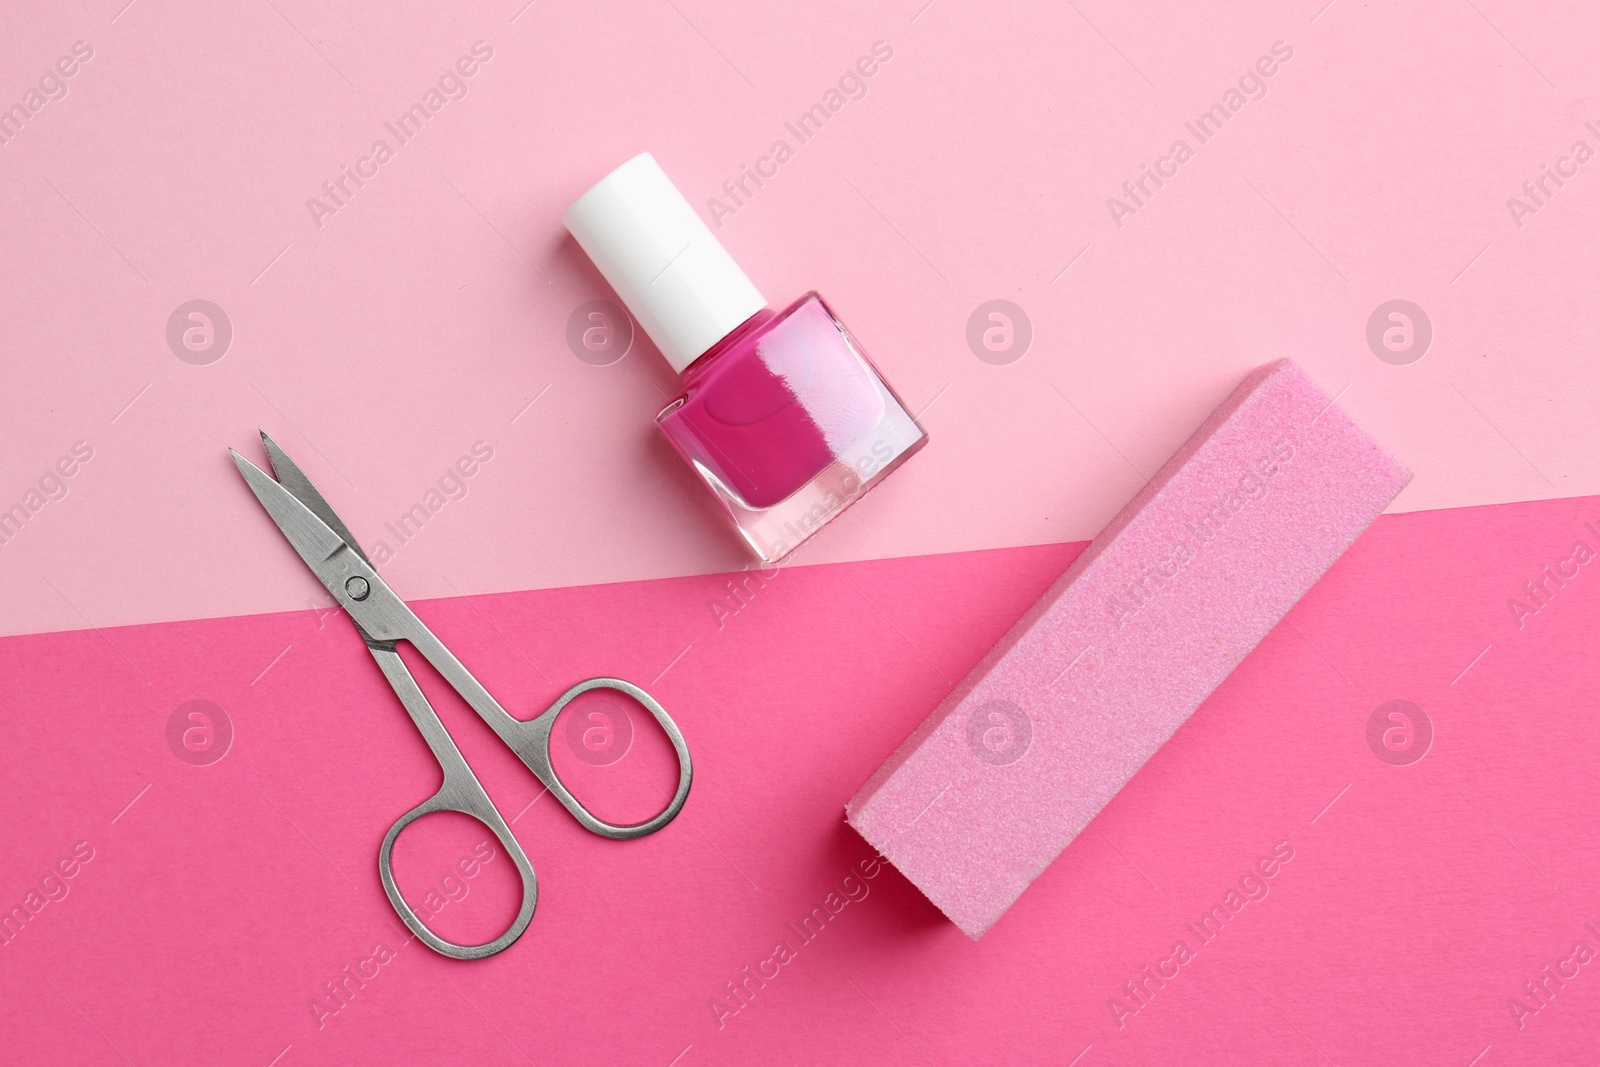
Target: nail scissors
x,y
383,620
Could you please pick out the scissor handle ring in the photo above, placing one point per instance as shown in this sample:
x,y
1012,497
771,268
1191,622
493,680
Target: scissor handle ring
x,y
478,807
537,754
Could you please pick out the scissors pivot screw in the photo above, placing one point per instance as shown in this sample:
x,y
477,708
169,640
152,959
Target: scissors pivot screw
x,y
357,587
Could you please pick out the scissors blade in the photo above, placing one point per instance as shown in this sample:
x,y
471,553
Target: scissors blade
x,y
307,532
292,478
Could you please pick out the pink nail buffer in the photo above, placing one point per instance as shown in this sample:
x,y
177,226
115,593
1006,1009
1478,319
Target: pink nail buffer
x,y
1154,614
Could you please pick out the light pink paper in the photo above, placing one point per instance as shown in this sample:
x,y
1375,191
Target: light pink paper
x,y
433,306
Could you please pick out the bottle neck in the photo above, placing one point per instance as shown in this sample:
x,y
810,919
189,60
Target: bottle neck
x,y
729,340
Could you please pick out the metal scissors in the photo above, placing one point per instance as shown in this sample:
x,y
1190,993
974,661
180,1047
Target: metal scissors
x,y
383,620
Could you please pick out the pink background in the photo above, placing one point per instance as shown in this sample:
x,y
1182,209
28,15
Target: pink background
x,y
1418,900
432,309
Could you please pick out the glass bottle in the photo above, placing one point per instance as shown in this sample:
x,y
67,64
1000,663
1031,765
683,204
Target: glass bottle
x,y
781,414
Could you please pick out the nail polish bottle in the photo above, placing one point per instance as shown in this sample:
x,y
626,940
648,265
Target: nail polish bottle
x,y
780,413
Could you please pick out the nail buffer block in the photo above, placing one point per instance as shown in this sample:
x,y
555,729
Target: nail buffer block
x,y
1154,614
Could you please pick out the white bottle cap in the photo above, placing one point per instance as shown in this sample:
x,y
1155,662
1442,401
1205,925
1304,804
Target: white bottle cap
x,y
676,278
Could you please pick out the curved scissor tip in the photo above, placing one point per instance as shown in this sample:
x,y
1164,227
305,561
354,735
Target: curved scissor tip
x,y
291,477
244,465
305,529
275,453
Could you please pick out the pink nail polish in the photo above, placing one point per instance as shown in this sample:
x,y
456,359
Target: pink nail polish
x,y
781,414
